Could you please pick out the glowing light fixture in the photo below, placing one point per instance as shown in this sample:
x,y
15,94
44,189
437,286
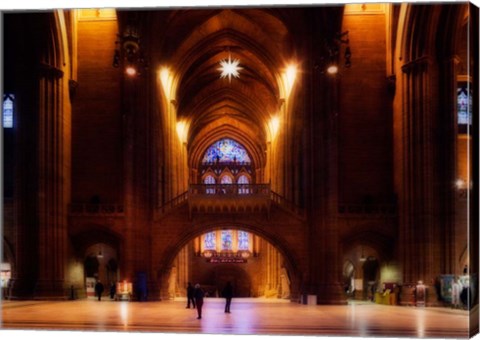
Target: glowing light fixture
x,y
229,68
460,183
332,69
131,71
289,78
182,131
274,126
167,81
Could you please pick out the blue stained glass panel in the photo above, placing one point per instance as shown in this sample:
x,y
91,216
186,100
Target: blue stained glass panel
x,y
464,106
226,240
209,241
226,150
242,240
8,110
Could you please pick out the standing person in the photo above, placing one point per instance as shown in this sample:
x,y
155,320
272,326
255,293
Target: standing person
x,y
199,294
99,290
456,290
228,295
190,295
113,290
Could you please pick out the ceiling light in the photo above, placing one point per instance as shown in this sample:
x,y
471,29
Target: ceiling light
x,y
229,68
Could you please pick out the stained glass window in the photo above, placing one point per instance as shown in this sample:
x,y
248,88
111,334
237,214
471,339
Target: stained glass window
x,y
243,189
226,150
209,179
226,179
464,106
226,240
242,240
210,241
8,110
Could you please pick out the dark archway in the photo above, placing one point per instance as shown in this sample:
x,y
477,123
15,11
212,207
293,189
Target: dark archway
x,y
218,276
289,264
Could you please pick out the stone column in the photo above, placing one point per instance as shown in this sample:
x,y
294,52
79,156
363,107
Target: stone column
x,y
425,196
53,174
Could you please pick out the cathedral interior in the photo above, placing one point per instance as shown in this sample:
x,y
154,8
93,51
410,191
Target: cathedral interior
x,y
314,154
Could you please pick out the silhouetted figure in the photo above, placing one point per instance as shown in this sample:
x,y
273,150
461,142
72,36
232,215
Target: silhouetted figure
x,y
99,290
190,295
113,290
199,294
228,295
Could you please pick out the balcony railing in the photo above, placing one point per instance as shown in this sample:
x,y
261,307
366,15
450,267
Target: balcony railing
x,y
230,189
229,198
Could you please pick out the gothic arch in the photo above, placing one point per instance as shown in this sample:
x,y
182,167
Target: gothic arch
x,y
381,243
287,250
93,234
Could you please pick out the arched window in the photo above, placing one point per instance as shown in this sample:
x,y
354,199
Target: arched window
x,y
8,110
243,184
226,150
209,179
209,242
464,105
226,240
226,179
243,240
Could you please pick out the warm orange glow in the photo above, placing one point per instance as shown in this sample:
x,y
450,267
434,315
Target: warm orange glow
x,y
460,183
182,131
274,126
332,69
289,77
131,71
166,79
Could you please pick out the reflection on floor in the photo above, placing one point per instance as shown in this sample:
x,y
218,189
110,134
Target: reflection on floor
x,y
248,316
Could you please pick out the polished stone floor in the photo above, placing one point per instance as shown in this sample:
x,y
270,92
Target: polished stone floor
x,y
248,316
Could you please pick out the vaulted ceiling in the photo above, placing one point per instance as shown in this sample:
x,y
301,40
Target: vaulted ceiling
x,y
192,43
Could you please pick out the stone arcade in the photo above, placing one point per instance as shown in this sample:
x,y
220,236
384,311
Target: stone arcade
x,y
315,154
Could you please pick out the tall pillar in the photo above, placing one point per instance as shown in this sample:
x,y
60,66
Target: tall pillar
x,y
52,181
426,191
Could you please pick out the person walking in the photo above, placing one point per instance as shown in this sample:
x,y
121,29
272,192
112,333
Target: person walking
x,y
199,294
227,293
99,290
113,290
190,295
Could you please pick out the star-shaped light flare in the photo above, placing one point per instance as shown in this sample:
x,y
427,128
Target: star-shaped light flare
x,y
229,68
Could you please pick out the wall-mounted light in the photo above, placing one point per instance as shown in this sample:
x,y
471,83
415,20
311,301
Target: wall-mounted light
x,y
274,126
331,63
289,76
167,81
182,131
332,69
460,183
128,52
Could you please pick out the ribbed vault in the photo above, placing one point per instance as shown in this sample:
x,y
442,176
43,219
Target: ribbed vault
x,y
215,107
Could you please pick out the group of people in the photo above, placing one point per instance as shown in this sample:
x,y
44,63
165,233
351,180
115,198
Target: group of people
x,y
196,294
99,288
